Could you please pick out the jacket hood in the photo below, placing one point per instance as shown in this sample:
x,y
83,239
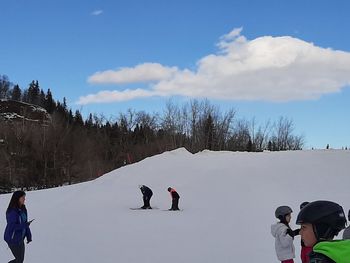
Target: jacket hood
x,y
277,228
338,250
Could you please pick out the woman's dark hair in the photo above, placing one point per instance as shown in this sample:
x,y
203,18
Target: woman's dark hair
x,y
14,202
283,220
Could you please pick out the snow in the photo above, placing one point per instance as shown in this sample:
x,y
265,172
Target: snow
x,y
228,201
11,115
38,109
14,116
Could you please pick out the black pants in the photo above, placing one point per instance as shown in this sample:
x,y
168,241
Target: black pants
x,y
146,201
175,204
18,253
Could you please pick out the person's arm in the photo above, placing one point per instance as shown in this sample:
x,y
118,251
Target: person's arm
x,y
28,234
293,233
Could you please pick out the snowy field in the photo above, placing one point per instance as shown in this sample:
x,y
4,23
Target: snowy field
x,y
228,201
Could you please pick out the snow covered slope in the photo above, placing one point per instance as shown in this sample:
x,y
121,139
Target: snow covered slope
x,y
228,200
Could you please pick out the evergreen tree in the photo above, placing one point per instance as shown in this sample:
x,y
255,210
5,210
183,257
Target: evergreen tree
x,y
25,97
250,146
16,93
34,93
78,118
50,104
89,122
269,146
209,133
64,104
5,86
42,99
70,117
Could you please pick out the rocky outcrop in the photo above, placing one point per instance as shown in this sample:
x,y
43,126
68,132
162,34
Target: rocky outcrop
x,y
16,111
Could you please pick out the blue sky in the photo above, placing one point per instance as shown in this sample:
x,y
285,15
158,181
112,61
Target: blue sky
x,y
77,48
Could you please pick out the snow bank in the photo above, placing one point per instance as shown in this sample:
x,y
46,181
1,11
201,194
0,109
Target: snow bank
x,y
228,201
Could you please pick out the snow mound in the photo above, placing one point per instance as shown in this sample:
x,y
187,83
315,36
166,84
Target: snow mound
x,y
228,201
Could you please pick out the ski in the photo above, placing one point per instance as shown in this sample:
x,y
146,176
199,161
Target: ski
x,y
139,208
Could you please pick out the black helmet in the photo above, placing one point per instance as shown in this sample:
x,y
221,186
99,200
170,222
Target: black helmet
x,y
327,218
169,189
282,211
303,204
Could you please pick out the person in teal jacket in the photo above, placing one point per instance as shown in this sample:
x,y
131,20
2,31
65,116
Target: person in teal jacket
x,y
320,222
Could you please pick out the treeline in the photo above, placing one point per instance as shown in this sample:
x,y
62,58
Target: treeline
x,y
72,149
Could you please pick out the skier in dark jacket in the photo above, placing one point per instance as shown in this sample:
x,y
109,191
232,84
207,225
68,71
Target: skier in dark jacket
x,y
147,194
320,222
17,228
175,199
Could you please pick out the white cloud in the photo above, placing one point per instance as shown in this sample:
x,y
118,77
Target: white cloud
x,y
147,72
97,12
115,96
266,68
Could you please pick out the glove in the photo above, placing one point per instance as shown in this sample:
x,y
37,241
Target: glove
x,y
296,232
290,232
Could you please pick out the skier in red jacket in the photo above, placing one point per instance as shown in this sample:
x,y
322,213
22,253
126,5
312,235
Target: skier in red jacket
x,y
305,251
175,199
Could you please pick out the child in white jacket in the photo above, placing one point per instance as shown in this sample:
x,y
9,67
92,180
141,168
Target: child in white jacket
x,y
284,235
